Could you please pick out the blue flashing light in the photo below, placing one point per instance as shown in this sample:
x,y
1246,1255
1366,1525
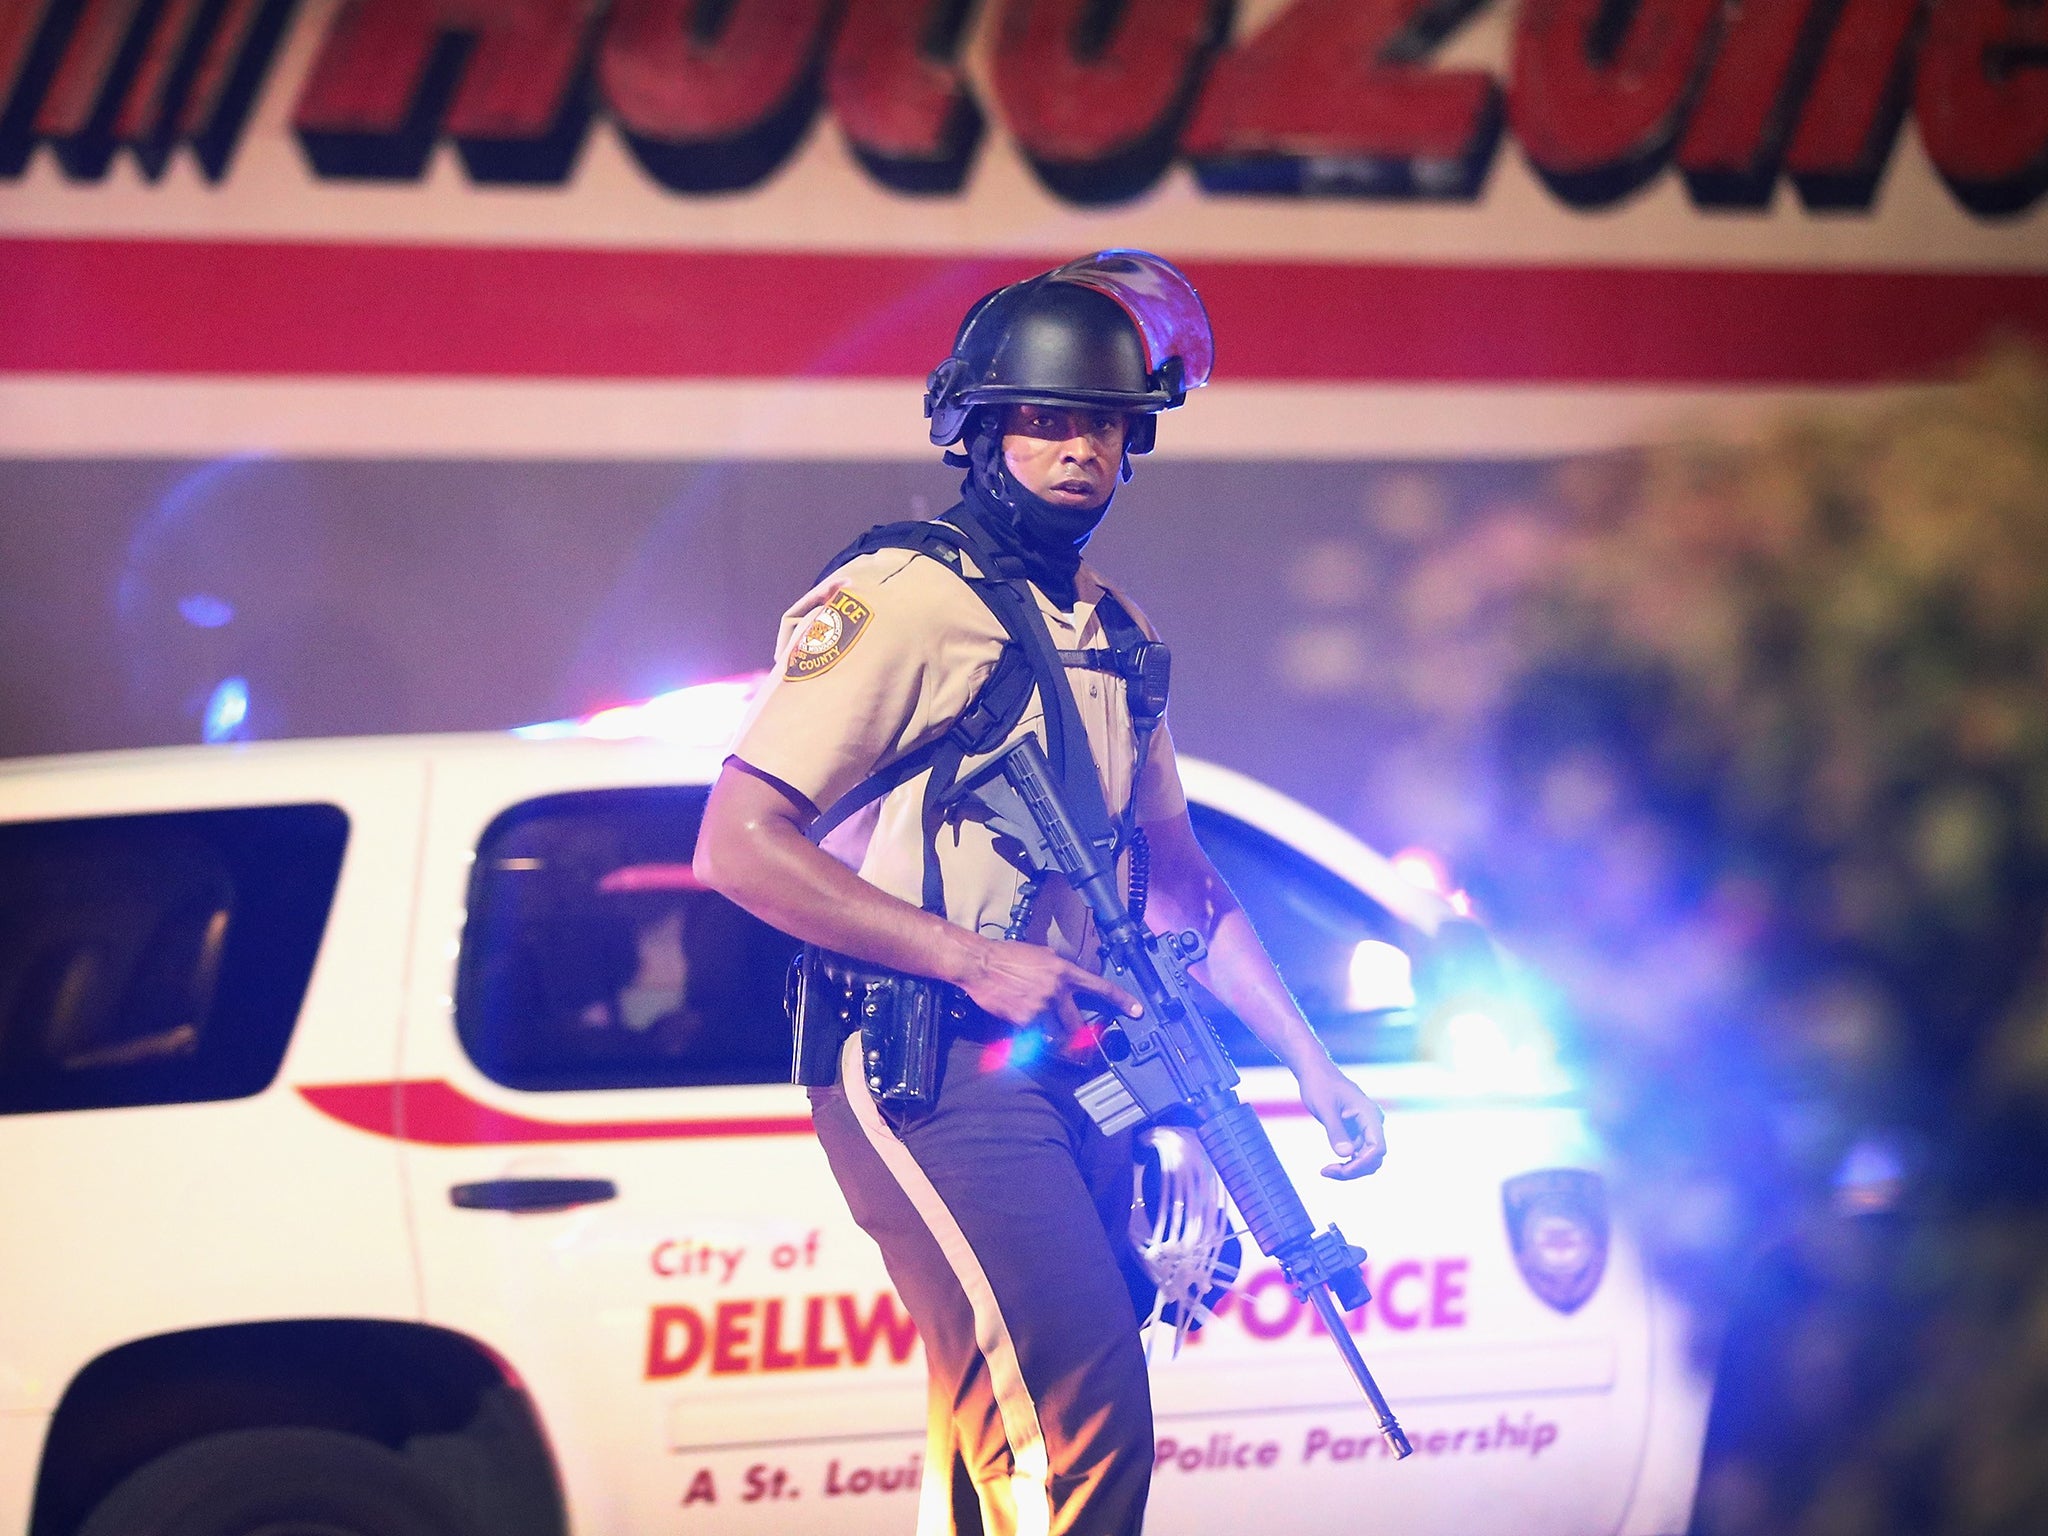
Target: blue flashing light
x,y
1479,1045
1872,1176
202,610
227,710
1501,1048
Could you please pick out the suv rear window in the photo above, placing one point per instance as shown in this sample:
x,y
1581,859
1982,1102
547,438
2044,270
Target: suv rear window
x,y
158,959
593,958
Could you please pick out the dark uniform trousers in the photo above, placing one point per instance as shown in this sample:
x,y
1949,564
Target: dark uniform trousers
x,y
1001,1214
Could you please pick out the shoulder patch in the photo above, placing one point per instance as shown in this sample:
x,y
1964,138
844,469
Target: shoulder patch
x,y
828,634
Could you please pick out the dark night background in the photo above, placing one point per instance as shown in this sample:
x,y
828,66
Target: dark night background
x,y
375,597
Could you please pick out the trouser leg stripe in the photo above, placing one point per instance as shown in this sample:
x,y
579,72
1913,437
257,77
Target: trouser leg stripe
x,y
1029,1482
935,1493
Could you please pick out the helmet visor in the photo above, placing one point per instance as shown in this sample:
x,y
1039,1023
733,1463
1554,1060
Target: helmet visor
x,y
1161,302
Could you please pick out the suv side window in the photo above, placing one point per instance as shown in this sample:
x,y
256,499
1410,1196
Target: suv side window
x,y
158,959
1345,957
593,958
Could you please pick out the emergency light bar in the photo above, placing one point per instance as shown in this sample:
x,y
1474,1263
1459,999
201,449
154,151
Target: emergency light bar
x,y
705,715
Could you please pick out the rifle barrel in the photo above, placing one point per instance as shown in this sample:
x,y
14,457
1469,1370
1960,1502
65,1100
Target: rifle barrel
x,y
1390,1427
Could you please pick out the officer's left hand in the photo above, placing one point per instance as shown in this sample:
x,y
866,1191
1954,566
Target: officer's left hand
x,y
1356,1128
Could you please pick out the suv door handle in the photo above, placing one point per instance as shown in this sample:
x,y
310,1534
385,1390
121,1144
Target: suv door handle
x,y
531,1196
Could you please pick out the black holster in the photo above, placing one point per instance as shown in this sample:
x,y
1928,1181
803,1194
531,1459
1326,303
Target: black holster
x,y
901,1020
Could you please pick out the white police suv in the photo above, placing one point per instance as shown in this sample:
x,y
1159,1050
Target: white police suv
x,y
394,1142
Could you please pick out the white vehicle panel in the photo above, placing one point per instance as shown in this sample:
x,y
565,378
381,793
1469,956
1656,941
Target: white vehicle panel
x,y
715,1346
641,1321
1507,1402
21,1446
1679,1393
732,1373
155,1218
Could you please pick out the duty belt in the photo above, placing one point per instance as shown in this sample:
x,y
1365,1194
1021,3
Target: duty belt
x,y
903,1022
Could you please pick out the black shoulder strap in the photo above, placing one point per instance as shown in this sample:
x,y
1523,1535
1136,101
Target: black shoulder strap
x,y
1118,627
1009,598
1029,663
1144,664
941,541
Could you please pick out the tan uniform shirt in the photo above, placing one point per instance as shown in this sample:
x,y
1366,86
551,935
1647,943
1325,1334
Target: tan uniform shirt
x,y
882,658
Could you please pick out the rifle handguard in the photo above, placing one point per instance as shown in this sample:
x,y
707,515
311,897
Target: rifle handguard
x,y
1250,1169
1243,1154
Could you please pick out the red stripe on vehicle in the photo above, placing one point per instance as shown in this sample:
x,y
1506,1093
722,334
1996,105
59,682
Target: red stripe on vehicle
x,y
393,310
434,1113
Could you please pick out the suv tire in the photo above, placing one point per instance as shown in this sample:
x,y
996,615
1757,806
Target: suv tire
x,y
277,1482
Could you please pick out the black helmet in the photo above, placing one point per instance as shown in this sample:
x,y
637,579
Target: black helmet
x,y
1119,330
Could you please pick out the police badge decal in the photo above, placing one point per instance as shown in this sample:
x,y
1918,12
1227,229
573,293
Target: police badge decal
x,y
1557,1227
827,635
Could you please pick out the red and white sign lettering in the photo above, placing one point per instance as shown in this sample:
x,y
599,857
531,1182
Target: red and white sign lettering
x,y
1325,98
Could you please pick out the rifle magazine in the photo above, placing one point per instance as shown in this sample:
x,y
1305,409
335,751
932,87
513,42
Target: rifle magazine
x,y
1109,1104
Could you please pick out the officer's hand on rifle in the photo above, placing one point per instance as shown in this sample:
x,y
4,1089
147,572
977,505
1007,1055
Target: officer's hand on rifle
x,y
1356,1129
1023,983
1188,892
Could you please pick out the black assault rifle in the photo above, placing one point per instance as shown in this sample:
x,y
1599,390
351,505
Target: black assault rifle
x,y
1169,1060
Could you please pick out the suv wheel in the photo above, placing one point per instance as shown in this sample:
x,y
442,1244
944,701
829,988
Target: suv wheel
x,y
277,1482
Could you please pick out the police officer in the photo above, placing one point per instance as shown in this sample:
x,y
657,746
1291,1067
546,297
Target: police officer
x,y
1001,1211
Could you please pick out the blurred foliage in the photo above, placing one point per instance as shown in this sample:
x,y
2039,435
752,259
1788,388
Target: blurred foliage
x,y
1766,758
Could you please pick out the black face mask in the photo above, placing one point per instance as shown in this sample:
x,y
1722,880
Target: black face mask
x,y
1047,539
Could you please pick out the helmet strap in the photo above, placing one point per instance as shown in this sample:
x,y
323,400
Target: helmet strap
x,y
985,459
